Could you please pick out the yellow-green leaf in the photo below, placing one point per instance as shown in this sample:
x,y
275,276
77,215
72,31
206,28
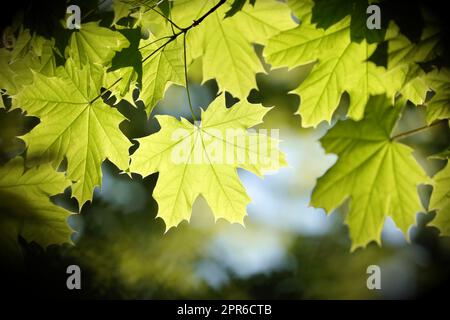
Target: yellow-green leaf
x,y
76,124
159,69
201,159
227,44
404,74
439,105
31,53
341,66
440,201
26,209
379,176
95,44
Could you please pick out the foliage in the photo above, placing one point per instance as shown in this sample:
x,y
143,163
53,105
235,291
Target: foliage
x,y
180,183
26,206
66,82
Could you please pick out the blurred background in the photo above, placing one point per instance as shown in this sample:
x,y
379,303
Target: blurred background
x,y
287,250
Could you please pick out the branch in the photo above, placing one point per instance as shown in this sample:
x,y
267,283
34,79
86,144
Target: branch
x,y
107,89
172,38
153,8
154,41
199,20
417,130
185,30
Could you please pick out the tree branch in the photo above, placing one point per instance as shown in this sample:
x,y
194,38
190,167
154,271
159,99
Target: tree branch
x,y
183,31
199,20
417,130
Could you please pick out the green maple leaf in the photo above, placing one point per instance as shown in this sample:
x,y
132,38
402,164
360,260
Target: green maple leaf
x,y
30,53
440,200
159,70
404,74
121,10
325,13
439,105
378,174
348,71
150,22
26,208
190,161
236,6
402,51
95,44
226,45
235,65
121,83
302,9
341,66
76,124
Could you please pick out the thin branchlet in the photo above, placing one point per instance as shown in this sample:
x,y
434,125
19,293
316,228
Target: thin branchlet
x,y
182,31
417,130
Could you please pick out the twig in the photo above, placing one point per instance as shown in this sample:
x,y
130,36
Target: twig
x,y
193,25
107,89
154,41
417,130
186,79
167,18
182,31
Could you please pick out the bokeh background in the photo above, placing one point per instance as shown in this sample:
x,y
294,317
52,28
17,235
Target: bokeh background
x,y
287,249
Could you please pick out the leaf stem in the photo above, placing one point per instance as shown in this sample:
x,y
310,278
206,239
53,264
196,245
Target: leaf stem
x,y
182,31
167,18
153,8
158,49
186,78
154,41
107,89
417,130
199,20
185,30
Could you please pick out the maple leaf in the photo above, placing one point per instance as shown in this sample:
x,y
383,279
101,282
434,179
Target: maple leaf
x,y
341,65
226,45
95,44
75,123
150,22
26,208
302,9
121,10
404,74
191,161
440,200
159,69
439,105
164,64
30,53
378,174
121,83
236,6
325,13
